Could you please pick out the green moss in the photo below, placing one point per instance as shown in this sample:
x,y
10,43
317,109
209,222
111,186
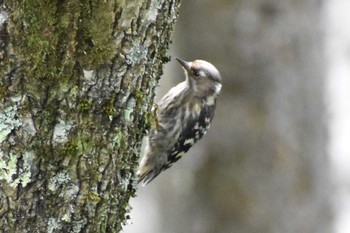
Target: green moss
x,y
50,32
35,25
83,145
109,108
71,149
119,140
47,119
139,95
85,106
96,44
148,120
2,91
93,197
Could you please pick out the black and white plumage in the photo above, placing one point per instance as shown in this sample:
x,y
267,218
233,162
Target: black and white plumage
x,y
183,117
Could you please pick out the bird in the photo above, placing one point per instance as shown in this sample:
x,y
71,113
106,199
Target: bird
x,y
182,117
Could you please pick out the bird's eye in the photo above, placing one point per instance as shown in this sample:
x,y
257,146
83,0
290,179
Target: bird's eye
x,y
196,73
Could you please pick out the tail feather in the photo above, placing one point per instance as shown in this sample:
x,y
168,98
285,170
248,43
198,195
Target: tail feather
x,y
147,176
151,164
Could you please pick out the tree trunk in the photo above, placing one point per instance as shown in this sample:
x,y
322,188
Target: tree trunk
x,y
77,83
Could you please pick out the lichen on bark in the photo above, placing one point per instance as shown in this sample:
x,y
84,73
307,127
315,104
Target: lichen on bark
x,y
77,82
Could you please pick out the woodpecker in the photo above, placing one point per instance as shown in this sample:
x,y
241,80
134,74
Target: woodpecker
x,y
183,116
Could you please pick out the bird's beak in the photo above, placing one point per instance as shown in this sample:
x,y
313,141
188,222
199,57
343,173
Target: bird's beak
x,y
185,64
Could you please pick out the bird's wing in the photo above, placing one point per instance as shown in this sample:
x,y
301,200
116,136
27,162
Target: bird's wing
x,y
193,131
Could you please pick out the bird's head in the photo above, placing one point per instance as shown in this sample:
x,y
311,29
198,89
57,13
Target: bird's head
x,y
203,78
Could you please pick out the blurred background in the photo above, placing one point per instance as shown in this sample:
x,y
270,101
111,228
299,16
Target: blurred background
x,y
277,156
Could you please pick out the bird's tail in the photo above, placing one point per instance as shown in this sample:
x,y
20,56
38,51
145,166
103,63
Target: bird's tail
x,y
149,167
146,174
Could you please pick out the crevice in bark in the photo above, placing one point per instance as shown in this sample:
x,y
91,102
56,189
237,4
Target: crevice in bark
x,y
77,82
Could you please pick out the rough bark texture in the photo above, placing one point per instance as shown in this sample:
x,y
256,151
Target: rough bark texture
x,y
77,83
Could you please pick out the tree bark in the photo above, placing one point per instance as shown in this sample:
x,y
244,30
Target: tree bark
x,y
77,82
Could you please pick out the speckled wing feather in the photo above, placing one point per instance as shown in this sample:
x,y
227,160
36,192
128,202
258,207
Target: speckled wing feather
x,y
195,130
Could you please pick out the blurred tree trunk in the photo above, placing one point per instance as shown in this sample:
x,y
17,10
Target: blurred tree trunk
x,y
77,81
263,165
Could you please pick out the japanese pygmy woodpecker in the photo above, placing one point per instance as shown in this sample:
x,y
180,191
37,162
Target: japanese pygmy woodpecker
x,y
183,116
